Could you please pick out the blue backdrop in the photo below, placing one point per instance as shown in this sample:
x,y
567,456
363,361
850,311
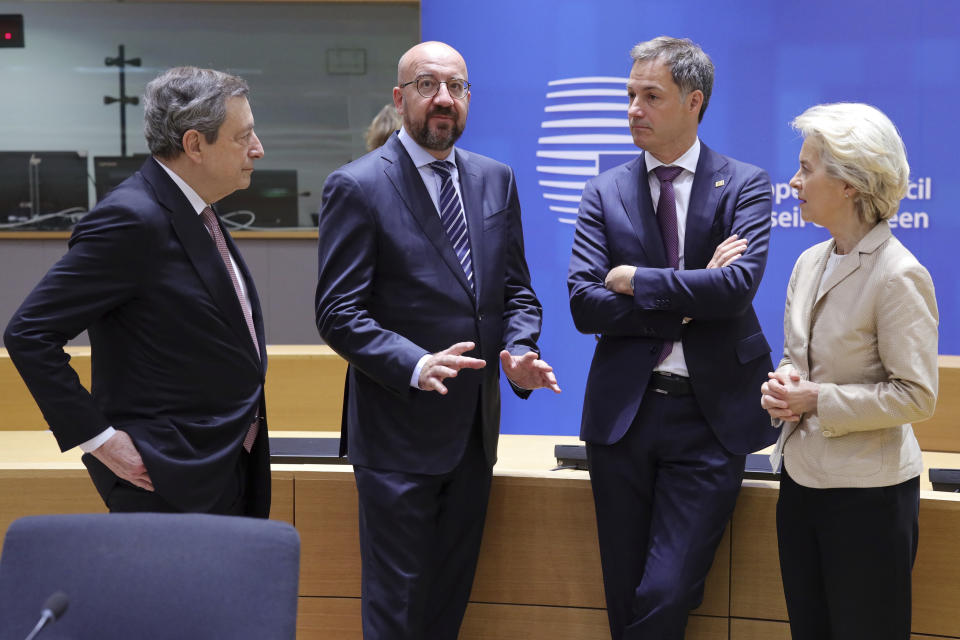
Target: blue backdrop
x,y
548,99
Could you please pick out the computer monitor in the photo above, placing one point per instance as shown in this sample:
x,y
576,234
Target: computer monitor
x,y
110,171
34,183
271,197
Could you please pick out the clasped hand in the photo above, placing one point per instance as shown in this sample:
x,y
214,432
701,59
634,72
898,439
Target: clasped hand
x,y
786,395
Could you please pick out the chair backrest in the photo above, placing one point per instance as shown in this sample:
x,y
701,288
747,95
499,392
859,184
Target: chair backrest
x,y
149,576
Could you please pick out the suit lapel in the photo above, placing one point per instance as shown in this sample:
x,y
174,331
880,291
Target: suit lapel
x,y
709,182
407,181
846,266
869,243
252,298
202,252
808,284
637,203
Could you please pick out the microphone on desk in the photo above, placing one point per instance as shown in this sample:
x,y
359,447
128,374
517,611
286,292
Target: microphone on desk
x,y
53,608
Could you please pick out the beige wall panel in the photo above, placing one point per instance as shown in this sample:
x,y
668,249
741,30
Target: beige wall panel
x,y
756,590
504,622
936,572
328,619
304,387
940,433
281,502
305,391
326,517
40,492
716,589
540,544
758,630
707,628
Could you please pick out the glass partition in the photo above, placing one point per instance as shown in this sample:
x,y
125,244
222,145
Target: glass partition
x,y
318,73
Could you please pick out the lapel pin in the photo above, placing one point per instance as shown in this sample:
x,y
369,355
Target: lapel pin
x,y
718,183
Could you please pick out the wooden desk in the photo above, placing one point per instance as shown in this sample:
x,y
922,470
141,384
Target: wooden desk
x,y
539,570
304,388
305,391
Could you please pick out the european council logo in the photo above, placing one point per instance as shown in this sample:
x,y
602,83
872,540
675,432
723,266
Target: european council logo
x,y
585,132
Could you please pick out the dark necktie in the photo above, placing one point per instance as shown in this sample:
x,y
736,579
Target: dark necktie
x,y
667,221
452,217
213,228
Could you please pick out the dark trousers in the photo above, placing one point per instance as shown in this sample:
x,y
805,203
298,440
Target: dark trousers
x,y
663,494
419,543
125,497
846,557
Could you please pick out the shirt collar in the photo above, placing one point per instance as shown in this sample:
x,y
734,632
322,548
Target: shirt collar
x,y
195,200
687,161
420,156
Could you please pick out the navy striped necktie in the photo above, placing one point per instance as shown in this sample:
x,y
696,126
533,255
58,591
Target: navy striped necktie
x,y
452,217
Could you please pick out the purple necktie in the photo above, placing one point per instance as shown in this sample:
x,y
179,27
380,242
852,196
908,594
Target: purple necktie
x,y
452,217
213,228
667,220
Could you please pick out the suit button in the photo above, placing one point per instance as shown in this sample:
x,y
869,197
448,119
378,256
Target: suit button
x,y
654,349
480,317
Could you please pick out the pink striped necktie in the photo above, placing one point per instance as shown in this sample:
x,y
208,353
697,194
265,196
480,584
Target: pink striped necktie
x,y
213,228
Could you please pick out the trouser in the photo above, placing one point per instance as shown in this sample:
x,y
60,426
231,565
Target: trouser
x,y
846,555
663,495
419,542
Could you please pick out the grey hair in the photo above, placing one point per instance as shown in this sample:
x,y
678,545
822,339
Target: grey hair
x,y
382,127
185,98
690,67
859,145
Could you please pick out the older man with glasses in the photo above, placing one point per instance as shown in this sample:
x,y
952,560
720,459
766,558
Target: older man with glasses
x,y
423,286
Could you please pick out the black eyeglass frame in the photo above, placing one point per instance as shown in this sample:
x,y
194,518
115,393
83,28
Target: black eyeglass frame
x,y
416,83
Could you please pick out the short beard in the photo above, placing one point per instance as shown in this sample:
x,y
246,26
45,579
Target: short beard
x,y
438,140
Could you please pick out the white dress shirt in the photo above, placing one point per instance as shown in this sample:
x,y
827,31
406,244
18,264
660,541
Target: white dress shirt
x,y
675,363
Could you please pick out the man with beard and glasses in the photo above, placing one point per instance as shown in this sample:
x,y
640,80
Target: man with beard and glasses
x,y
423,286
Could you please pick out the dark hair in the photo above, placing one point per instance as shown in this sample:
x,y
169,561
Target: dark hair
x,y
690,67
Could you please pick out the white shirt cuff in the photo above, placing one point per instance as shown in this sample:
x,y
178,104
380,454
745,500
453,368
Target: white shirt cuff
x,y
96,441
415,378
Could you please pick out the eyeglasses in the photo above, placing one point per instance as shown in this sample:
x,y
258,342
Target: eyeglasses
x,y
428,86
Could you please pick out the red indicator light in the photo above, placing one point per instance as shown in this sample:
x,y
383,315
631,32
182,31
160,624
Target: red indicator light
x,y
8,36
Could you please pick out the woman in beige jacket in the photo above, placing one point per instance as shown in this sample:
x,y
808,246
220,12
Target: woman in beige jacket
x,y
859,365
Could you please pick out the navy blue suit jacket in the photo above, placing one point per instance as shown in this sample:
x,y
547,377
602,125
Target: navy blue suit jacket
x,y
726,353
173,363
391,289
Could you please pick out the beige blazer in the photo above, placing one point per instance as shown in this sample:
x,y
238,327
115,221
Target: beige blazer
x,y
869,338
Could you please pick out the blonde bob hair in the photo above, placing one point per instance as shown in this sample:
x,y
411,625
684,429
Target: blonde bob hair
x,y
860,146
382,127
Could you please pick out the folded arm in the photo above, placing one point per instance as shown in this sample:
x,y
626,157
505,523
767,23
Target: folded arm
x,y
724,292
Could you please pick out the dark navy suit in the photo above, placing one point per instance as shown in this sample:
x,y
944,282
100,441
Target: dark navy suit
x,y
391,290
666,468
173,363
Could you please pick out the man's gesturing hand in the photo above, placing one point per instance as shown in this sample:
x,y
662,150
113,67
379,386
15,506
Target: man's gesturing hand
x,y
528,371
446,364
121,456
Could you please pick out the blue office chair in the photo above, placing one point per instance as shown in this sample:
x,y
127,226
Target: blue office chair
x,y
149,576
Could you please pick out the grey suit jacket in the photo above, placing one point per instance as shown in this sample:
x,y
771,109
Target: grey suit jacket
x,y
869,338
